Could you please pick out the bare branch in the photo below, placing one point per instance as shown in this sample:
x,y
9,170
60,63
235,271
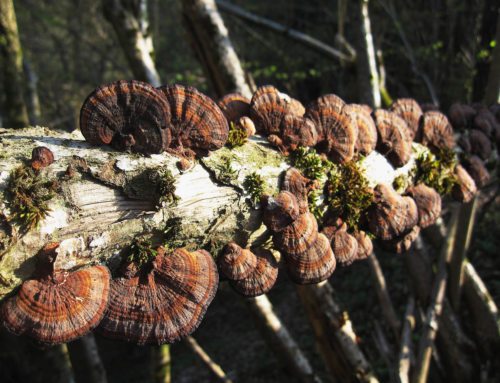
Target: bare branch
x,y
205,358
405,352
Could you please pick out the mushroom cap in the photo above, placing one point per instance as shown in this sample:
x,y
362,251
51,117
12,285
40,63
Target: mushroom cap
x,y
337,131
465,188
461,115
464,143
298,131
41,157
268,108
428,203
480,144
280,211
262,278
476,169
164,303
128,115
394,140
295,183
344,246
298,236
314,265
403,242
247,125
295,108
485,121
197,122
236,262
366,141
365,245
58,307
409,110
437,132
392,215
234,106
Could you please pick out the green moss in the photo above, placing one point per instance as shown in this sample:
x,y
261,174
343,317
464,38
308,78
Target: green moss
x,y
310,163
171,233
400,183
27,197
164,183
253,184
141,251
225,170
312,199
237,136
348,194
437,171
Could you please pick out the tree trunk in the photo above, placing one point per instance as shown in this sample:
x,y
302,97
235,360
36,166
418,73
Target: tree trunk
x,y
210,40
33,103
492,92
15,114
129,19
85,360
366,61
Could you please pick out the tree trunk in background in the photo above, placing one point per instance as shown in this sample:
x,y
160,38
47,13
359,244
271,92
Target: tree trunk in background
x,y
85,360
129,19
15,114
492,93
366,61
33,102
210,39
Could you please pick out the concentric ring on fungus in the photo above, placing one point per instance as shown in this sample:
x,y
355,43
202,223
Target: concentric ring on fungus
x,y
394,140
465,189
129,115
57,306
366,141
437,132
428,203
280,211
234,106
409,110
235,262
163,302
298,236
197,123
268,108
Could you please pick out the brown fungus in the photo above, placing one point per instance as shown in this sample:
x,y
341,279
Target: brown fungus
x,y
280,211
403,242
300,186
394,139
344,245
268,108
365,245
296,132
391,215
262,277
461,115
465,187
247,125
57,306
163,300
234,106
197,123
298,236
485,121
236,263
366,141
437,132
129,115
480,144
428,203
475,167
409,110
41,157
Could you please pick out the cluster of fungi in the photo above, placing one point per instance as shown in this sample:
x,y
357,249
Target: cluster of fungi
x,y
163,297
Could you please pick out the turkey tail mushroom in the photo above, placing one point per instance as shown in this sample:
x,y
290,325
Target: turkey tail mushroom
x,y
295,183
437,132
480,144
41,157
344,245
268,108
57,306
465,188
461,115
234,106
476,169
129,115
409,110
366,141
428,203
394,137
235,262
163,300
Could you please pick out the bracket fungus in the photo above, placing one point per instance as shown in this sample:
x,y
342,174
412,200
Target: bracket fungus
x,y
268,107
308,255
344,245
476,169
129,115
480,144
251,272
41,157
366,141
394,140
234,106
461,115
162,300
391,215
337,131
437,132
300,186
465,188
294,132
57,306
197,123
403,242
428,203
409,110
365,245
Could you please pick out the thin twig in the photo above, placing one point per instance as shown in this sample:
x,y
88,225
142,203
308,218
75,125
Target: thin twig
x,y
405,352
214,367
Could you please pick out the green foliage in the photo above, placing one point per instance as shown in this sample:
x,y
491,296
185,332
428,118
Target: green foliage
x,y
226,171
310,163
400,182
348,194
165,186
316,209
171,233
437,171
141,252
237,136
27,195
253,184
